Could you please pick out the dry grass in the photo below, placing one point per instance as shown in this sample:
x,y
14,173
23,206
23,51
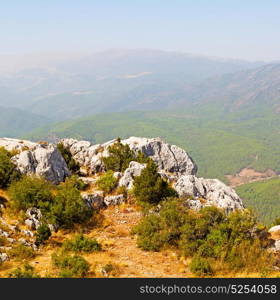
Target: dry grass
x,y
112,229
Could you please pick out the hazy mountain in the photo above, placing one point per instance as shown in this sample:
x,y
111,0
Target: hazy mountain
x,y
15,122
115,80
255,89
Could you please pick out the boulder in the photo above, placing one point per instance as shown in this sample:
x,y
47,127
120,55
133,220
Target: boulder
x,y
213,191
275,232
3,257
114,200
134,169
94,200
33,221
43,160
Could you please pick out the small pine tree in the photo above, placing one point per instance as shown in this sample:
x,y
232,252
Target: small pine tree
x,y
150,188
43,234
119,158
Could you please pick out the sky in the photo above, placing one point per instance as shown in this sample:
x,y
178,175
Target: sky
x,y
244,29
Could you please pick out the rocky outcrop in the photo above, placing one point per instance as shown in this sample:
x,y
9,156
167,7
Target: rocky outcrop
x,y
15,144
134,169
34,217
94,200
114,200
43,160
213,191
169,158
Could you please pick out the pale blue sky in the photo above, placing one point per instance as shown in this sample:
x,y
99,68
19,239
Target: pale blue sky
x,y
248,29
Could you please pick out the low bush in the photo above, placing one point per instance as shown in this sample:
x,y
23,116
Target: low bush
x,y
31,191
71,266
107,182
81,243
21,252
76,182
71,163
68,207
43,234
8,171
61,205
201,267
235,240
154,231
26,271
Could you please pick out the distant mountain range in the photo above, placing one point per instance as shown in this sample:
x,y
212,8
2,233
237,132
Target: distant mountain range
x,y
223,111
116,80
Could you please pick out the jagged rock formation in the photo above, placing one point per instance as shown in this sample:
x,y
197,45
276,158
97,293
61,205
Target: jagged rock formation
x,y
134,169
41,159
169,158
212,190
174,164
15,144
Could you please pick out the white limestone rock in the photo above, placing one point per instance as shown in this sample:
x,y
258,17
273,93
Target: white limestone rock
x,y
213,191
169,158
43,160
114,200
134,169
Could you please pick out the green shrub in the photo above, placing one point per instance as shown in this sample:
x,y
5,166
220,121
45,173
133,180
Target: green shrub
x,y
107,182
71,266
119,157
76,182
68,207
43,234
31,191
154,231
81,243
201,267
8,172
71,163
21,252
26,272
149,235
150,188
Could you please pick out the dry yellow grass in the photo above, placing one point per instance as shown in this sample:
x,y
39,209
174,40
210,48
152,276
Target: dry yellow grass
x,y
112,229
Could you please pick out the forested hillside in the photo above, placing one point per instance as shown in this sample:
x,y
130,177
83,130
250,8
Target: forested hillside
x,y
263,197
219,144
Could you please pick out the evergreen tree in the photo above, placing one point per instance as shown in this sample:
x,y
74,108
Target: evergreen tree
x,y
149,187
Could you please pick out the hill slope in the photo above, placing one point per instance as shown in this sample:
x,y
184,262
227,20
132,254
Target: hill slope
x,y
220,146
15,122
263,197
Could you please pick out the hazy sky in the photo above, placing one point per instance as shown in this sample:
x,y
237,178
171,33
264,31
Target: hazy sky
x,y
248,29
